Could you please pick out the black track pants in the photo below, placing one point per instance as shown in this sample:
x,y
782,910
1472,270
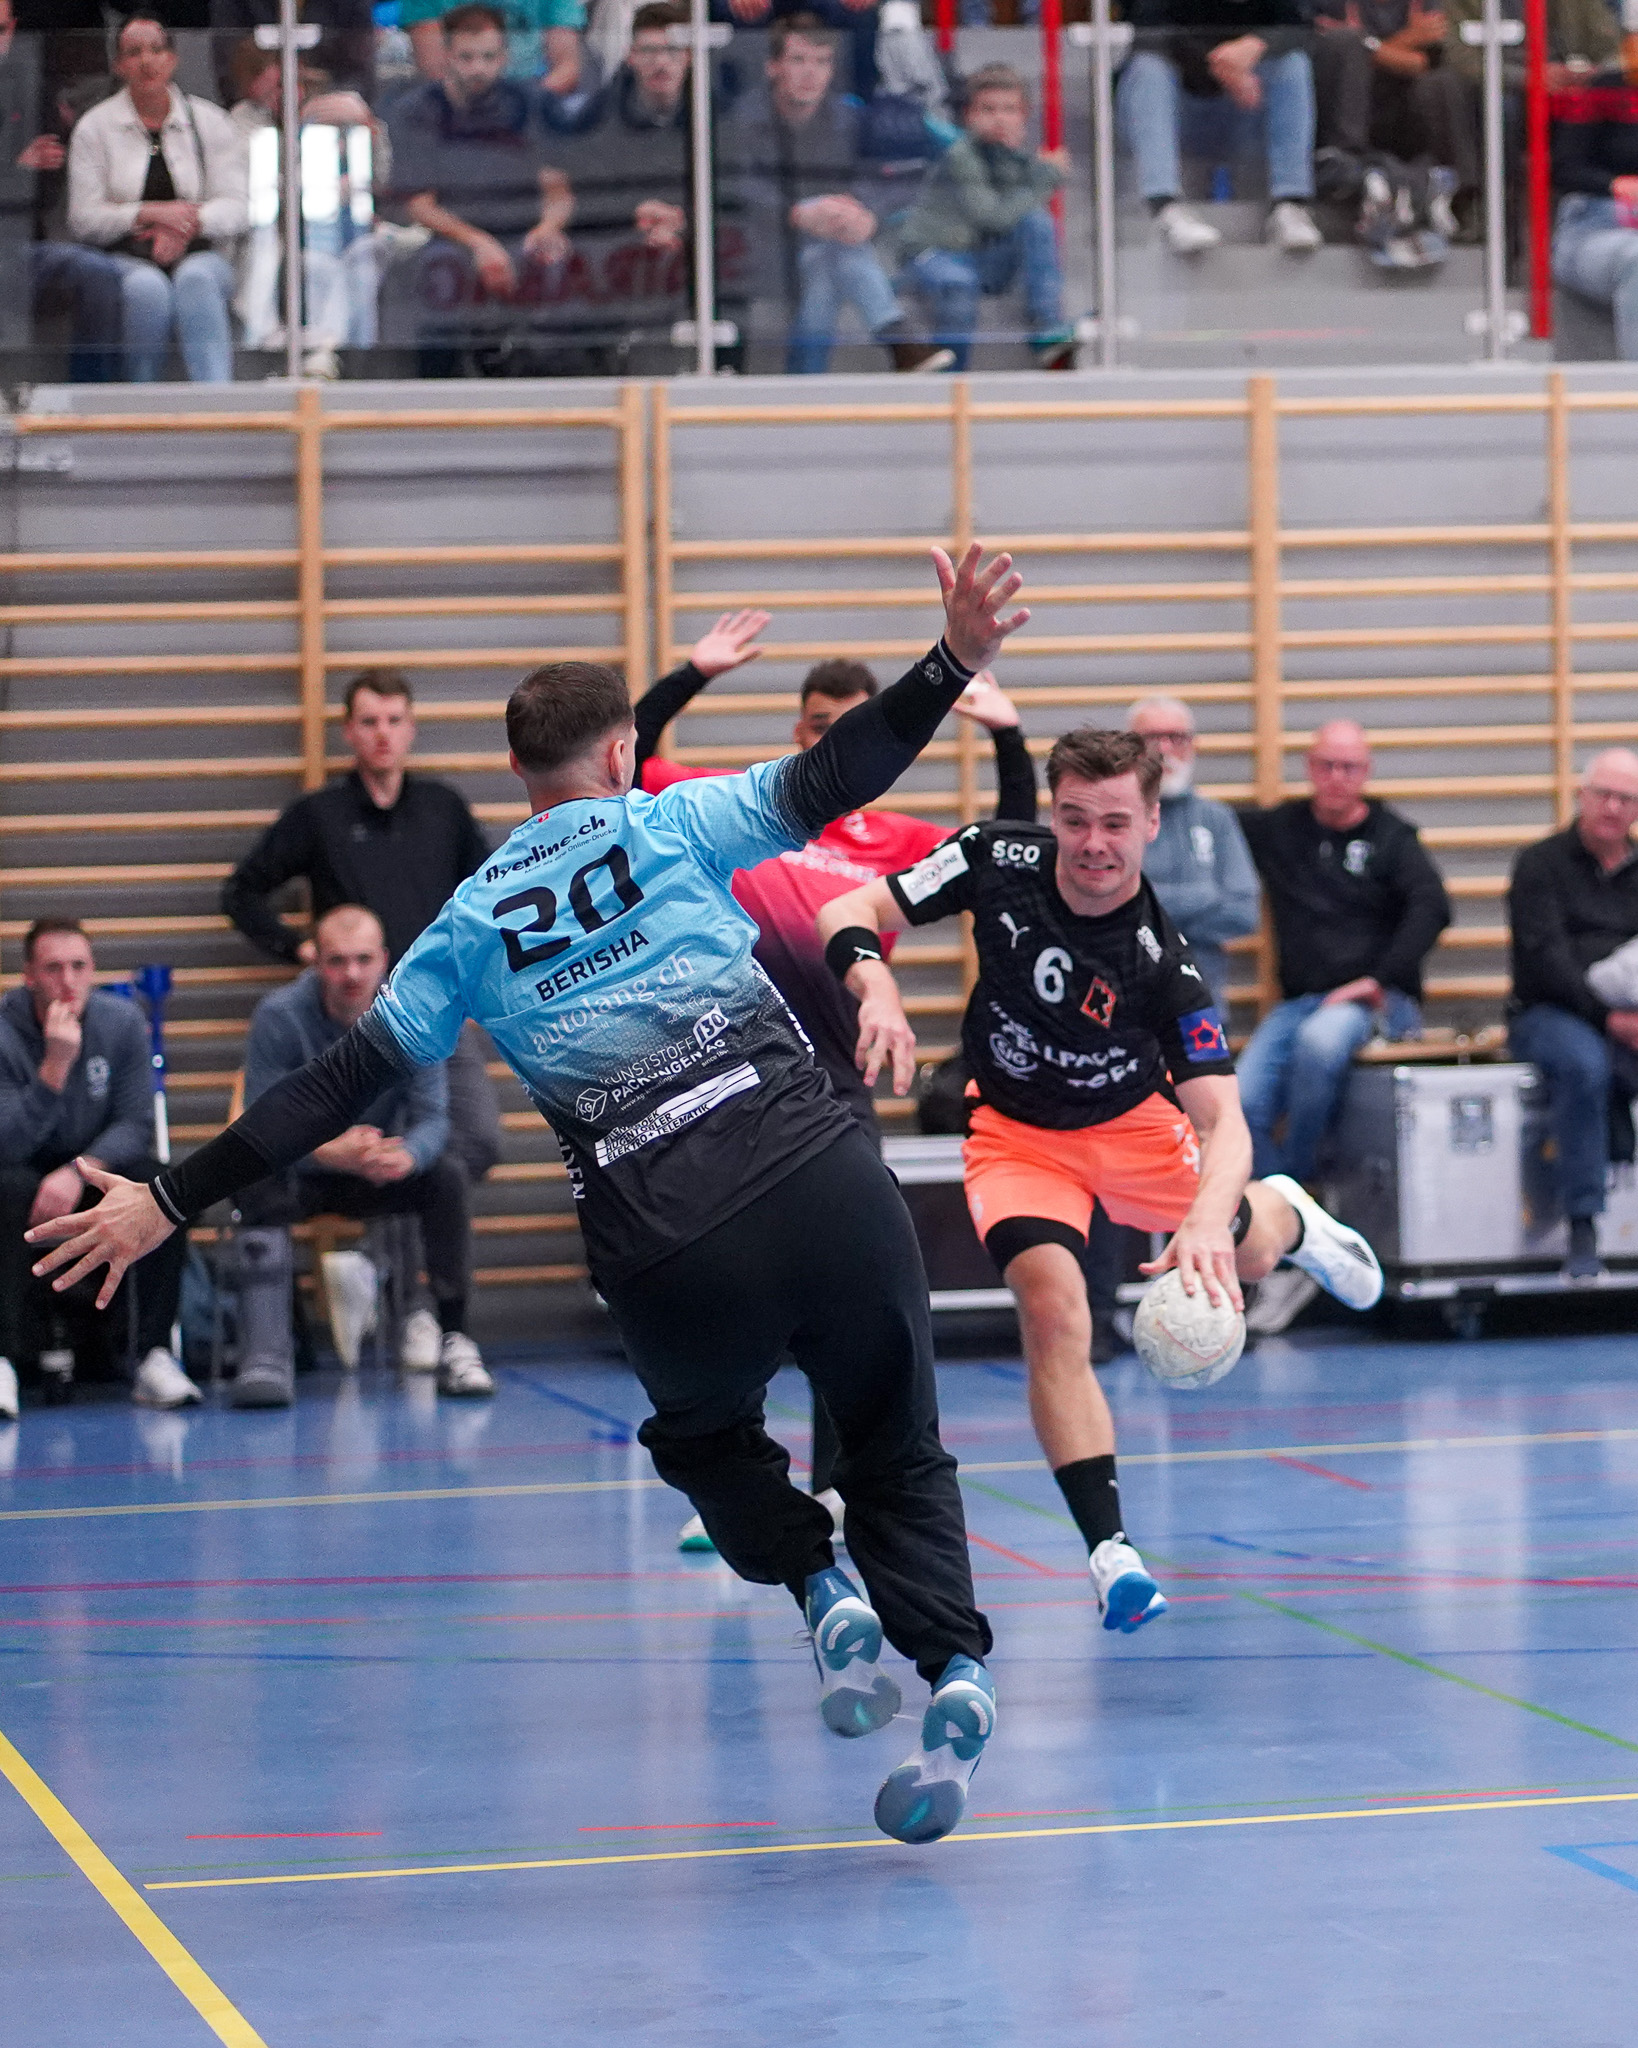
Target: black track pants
x,y
826,1264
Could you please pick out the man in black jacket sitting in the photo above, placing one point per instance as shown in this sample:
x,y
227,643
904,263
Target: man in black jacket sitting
x,y
1356,904
1573,901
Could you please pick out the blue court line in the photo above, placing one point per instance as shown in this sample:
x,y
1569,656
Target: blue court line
x,y
1012,1373
1596,1864
530,1384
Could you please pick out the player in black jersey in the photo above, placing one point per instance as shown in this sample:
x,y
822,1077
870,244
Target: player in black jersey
x,y
1104,1073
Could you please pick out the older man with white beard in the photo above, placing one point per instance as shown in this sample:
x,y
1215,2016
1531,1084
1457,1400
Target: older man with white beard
x,y
1198,864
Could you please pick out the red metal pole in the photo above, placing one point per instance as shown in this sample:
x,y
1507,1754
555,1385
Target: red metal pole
x,y
1538,167
946,18
1052,90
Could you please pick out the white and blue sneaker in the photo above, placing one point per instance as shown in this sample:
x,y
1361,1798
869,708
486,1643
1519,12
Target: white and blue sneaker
x,y
1127,1596
856,1697
1337,1257
927,1795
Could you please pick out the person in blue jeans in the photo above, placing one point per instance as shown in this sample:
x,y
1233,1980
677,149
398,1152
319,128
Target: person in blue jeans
x,y
1357,905
1595,167
797,175
1573,901
980,224
1201,71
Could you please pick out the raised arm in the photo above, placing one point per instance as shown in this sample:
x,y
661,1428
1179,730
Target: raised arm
x,y
987,704
726,646
865,753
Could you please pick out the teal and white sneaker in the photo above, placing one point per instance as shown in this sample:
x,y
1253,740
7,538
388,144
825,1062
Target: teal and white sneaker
x,y
856,1697
1337,1257
927,1795
1127,1596
692,1537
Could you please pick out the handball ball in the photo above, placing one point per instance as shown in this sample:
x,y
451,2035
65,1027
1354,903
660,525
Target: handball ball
x,y
1182,1339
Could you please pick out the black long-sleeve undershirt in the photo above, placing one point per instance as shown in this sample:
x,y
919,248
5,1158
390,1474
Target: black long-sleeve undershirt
x,y
1015,790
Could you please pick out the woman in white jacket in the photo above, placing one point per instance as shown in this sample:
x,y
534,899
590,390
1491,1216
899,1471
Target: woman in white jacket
x,y
159,178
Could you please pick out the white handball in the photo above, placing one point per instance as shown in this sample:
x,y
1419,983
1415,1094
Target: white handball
x,y
1182,1339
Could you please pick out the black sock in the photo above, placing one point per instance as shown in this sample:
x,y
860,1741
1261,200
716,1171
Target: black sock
x,y
1583,1236
1090,1489
452,1315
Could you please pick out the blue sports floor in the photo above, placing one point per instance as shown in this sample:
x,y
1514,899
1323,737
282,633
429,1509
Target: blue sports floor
x,y
386,1722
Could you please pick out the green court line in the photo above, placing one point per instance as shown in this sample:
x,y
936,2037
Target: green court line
x,y
1013,1500
1437,1671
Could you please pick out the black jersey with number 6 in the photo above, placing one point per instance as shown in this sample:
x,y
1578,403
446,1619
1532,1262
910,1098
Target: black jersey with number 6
x,y
1074,1020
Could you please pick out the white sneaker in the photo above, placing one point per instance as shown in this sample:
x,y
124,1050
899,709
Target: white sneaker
x,y
831,1499
1292,227
1185,232
1127,1596
8,1391
1281,1298
322,363
1337,1257
351,1284
161,1383
461,1369
421,1342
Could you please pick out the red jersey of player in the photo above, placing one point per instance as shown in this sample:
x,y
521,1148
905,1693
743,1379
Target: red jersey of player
x,y
784,895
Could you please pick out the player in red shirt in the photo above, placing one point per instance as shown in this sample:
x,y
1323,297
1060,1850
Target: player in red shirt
x,y
785,895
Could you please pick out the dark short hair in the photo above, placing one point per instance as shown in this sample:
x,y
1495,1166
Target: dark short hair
x,y
1097,754
808,26
558,711
50,928
152,20
661,14
384,682
994,78
838,680
472,19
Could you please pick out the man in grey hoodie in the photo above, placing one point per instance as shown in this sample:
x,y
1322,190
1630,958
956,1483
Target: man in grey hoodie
x,y
75,1084
1198,863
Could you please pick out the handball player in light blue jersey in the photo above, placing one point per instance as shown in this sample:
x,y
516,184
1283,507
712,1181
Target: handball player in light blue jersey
x,y
732,1209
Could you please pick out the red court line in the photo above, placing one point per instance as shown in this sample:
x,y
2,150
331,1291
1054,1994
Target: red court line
x,y
308,1835
1319,1471
661,1827
1018,1557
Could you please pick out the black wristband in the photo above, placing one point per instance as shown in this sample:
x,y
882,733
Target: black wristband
x,y
854,943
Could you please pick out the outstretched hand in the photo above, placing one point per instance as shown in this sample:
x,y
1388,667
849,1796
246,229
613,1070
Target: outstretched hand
x,y
986,703
728,643
124,1227
974,628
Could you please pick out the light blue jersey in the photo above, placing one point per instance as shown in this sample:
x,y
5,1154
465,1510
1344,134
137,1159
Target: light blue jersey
x,y
602,950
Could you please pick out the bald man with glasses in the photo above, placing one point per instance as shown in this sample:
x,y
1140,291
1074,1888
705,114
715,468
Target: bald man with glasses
x,y
1574,902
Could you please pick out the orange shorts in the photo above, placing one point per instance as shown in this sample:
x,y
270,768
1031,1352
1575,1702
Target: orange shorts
x,y
1144,1167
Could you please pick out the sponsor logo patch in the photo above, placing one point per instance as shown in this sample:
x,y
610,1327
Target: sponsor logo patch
x,y
1203,1036
928,876
1015,853
1147,940
1100,1002
677,1112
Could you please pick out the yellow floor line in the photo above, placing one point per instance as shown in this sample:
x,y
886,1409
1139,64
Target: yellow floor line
x,y
353,1500
1132,1827
212,2004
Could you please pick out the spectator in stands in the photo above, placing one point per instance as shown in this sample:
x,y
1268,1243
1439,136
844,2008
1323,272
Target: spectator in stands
x,y
76,1085
629,163
158,177
45,276
469,152
792,154
1198,862
1583,36
398,843
1357,905
857,20
341,264
393,1162
344,52
1197,69
543,41
1573,902
1595,170
1384,91
981,221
